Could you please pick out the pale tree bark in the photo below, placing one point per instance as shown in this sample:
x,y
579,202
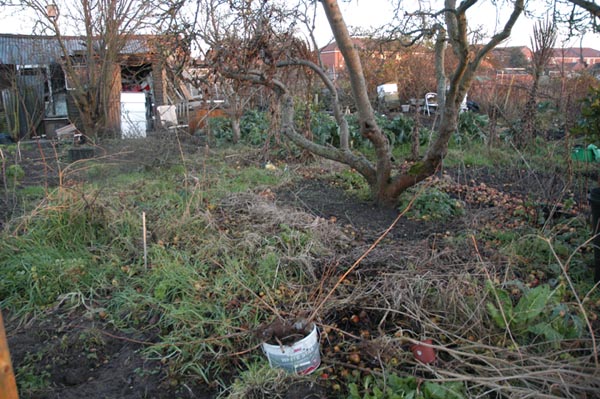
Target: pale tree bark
x,y
337,109
441,44
385,187
463,74
459,83
388,188
415,143
235,110
236,128
367,124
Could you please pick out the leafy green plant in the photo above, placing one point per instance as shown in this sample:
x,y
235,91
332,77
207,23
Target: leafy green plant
x,y
15,172
471,127
550,121
431,204
401,128
398,130
353,182
220,128
588,124
395,387
255,127
30,379
538,312
324,128
356,139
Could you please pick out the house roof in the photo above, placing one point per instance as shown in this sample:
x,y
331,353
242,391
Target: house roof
x,y
506,51
357,41
576,52
40,50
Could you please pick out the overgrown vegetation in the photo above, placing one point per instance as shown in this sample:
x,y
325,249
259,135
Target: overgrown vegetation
x,y
497,277
588,124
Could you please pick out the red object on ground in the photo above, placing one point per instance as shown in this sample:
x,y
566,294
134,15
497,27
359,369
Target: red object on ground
x,y
423,352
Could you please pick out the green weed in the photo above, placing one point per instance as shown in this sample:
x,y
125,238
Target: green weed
x,y
324,128
588,124
471,128
353,182
15,172
431,204
395,387
32,193
254,127
36,278
220,128
538,313
259,380
30,379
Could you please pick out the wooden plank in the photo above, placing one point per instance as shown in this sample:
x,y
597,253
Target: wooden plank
x,y
8,384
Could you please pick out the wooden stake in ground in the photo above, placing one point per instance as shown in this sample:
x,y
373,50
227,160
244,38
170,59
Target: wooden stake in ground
x,y
8,384
144,240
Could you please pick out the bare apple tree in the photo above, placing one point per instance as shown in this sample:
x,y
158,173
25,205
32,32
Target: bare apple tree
x,y
256,42
385,186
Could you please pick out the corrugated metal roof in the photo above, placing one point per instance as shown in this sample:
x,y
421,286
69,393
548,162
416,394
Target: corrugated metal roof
x,y
32,50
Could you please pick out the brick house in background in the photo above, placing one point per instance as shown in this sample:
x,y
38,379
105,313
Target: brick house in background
x,y
332,59
508,59
568,59
573,59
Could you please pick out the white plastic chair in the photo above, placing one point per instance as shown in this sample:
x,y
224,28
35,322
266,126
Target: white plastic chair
x,y
167,115
463,105
430,102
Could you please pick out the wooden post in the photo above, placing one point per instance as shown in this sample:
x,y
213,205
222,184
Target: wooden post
x,y
8,384
144,238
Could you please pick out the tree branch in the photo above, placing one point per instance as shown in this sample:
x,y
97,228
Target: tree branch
x,y
337,112
589,6
502,35
358,162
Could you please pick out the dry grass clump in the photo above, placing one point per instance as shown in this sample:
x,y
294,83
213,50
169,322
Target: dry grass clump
x,y
257,225
261,213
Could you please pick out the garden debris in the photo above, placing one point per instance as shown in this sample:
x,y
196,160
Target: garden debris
x,y
284,332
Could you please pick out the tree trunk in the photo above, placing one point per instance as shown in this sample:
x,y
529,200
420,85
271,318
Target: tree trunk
x,y
440,75
493,125
415,144
112,95
527,134
385,188
236,129
366,117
